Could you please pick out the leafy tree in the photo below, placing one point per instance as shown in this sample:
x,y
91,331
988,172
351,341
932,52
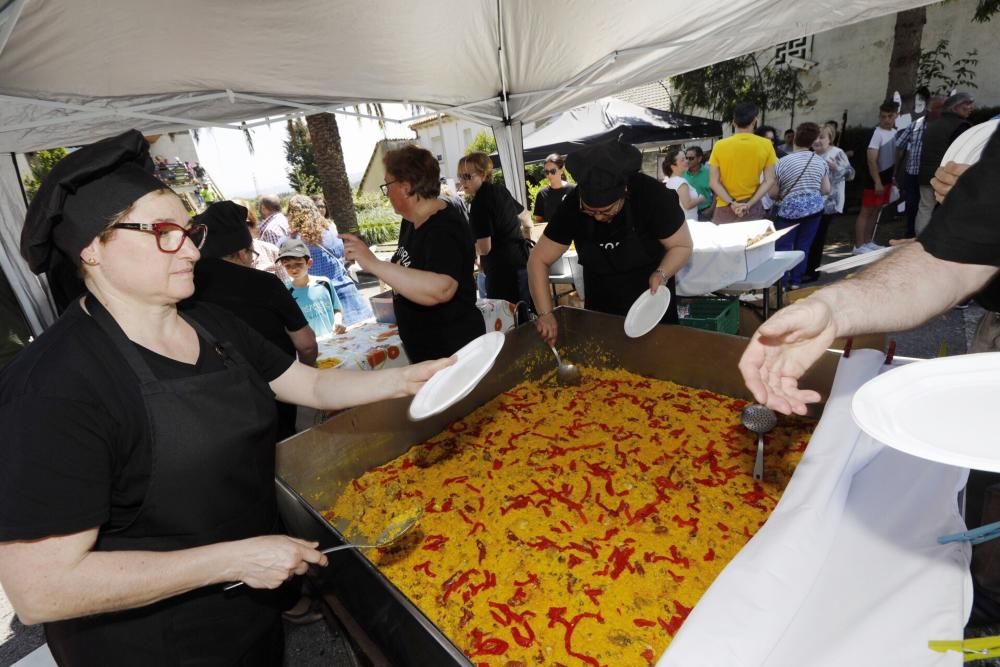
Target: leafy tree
x,y
482,142
940,74
985,9
719,87
304,175
41,164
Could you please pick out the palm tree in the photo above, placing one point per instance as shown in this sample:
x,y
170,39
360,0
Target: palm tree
x,y
905,58
329,155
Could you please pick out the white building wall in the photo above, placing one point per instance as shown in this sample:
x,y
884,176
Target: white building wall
x,y
853,64
447,139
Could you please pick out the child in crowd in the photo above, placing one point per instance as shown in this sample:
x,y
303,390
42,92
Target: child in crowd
x,y
314,294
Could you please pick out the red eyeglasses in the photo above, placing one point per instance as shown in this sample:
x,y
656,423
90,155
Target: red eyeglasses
x,y
169,236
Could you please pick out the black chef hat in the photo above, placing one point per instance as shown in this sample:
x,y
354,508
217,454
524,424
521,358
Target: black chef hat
x,y
227,229
602,170
81,195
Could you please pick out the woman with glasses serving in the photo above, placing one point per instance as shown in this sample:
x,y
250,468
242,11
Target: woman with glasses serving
x,y
139,448
629,231
502,229
431,272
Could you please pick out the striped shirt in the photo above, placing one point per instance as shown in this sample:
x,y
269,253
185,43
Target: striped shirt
x,y
789,168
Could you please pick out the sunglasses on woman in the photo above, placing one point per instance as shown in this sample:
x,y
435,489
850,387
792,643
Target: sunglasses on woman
x,y
551,172
169,236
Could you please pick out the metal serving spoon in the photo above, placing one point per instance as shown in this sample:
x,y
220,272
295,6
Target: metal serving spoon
x,y
759,419
398,527
567,375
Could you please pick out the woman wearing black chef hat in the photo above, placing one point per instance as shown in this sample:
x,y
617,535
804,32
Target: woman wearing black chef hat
x,y
629,231
139,441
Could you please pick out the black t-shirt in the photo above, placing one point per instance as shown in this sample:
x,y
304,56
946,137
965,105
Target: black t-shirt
x,y
655,213
257,297
75,449
966,227
494,214
443,244
548,200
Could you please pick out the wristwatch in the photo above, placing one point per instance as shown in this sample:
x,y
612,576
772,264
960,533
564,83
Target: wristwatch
x,y
663,274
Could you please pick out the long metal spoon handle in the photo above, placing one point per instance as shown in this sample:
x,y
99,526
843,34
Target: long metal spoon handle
x,y
350,546
758,464
556,352
237,584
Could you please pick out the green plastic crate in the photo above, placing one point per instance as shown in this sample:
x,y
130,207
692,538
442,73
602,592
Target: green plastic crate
x,y
712,314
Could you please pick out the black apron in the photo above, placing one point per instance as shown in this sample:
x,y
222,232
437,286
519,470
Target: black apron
x,y
616,273
212,480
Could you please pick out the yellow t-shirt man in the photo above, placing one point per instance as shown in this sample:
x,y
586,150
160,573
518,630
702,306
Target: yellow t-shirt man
x,y
741,160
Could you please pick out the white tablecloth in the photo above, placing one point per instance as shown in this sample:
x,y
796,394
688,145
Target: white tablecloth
x,y
847,570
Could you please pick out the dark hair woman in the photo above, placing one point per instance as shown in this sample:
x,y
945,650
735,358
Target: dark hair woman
x,y
501,227
140,474
549,198
431,272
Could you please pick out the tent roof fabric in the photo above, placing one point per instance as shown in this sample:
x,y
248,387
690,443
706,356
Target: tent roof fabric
x,y
609,118
74,72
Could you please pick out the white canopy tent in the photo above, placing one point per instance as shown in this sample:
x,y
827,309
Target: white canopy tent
x,y
74,72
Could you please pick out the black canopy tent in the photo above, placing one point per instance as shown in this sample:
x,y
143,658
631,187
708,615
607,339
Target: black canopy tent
x,y
609,118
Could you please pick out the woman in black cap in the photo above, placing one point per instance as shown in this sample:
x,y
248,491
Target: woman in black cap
x,y
138,451
629,231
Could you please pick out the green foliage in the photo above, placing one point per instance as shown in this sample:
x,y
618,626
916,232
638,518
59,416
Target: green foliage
x,y
720,87
377,221
304,174
41,164
940,73
482,142
985,9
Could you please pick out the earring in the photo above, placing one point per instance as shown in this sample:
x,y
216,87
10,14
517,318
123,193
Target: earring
x,y
90,262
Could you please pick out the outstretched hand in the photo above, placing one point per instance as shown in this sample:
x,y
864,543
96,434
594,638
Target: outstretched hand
x,y
415,375
782,350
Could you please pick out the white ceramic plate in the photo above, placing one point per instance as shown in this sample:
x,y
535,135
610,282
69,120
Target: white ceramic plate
x,y
941,409
454,383
854,261
646,312
969,145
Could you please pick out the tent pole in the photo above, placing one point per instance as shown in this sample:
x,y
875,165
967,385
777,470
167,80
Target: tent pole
x,y
9,16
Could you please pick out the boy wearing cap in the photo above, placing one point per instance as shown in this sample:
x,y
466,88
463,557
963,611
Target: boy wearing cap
x,y
629,231
314,294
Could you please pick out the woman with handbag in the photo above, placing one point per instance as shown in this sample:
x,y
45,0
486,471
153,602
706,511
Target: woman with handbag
x,y
502,229
802,185
327,252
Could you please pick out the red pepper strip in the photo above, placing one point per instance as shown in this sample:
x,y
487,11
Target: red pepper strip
x,y
593,594
648,655
454,480
619,560
710,554
532,579
677,559
358,486
454,581
653,557
424,567
689,523
506,616
574,560
557,615
483,646
434,542
472,488
675,622
643,623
